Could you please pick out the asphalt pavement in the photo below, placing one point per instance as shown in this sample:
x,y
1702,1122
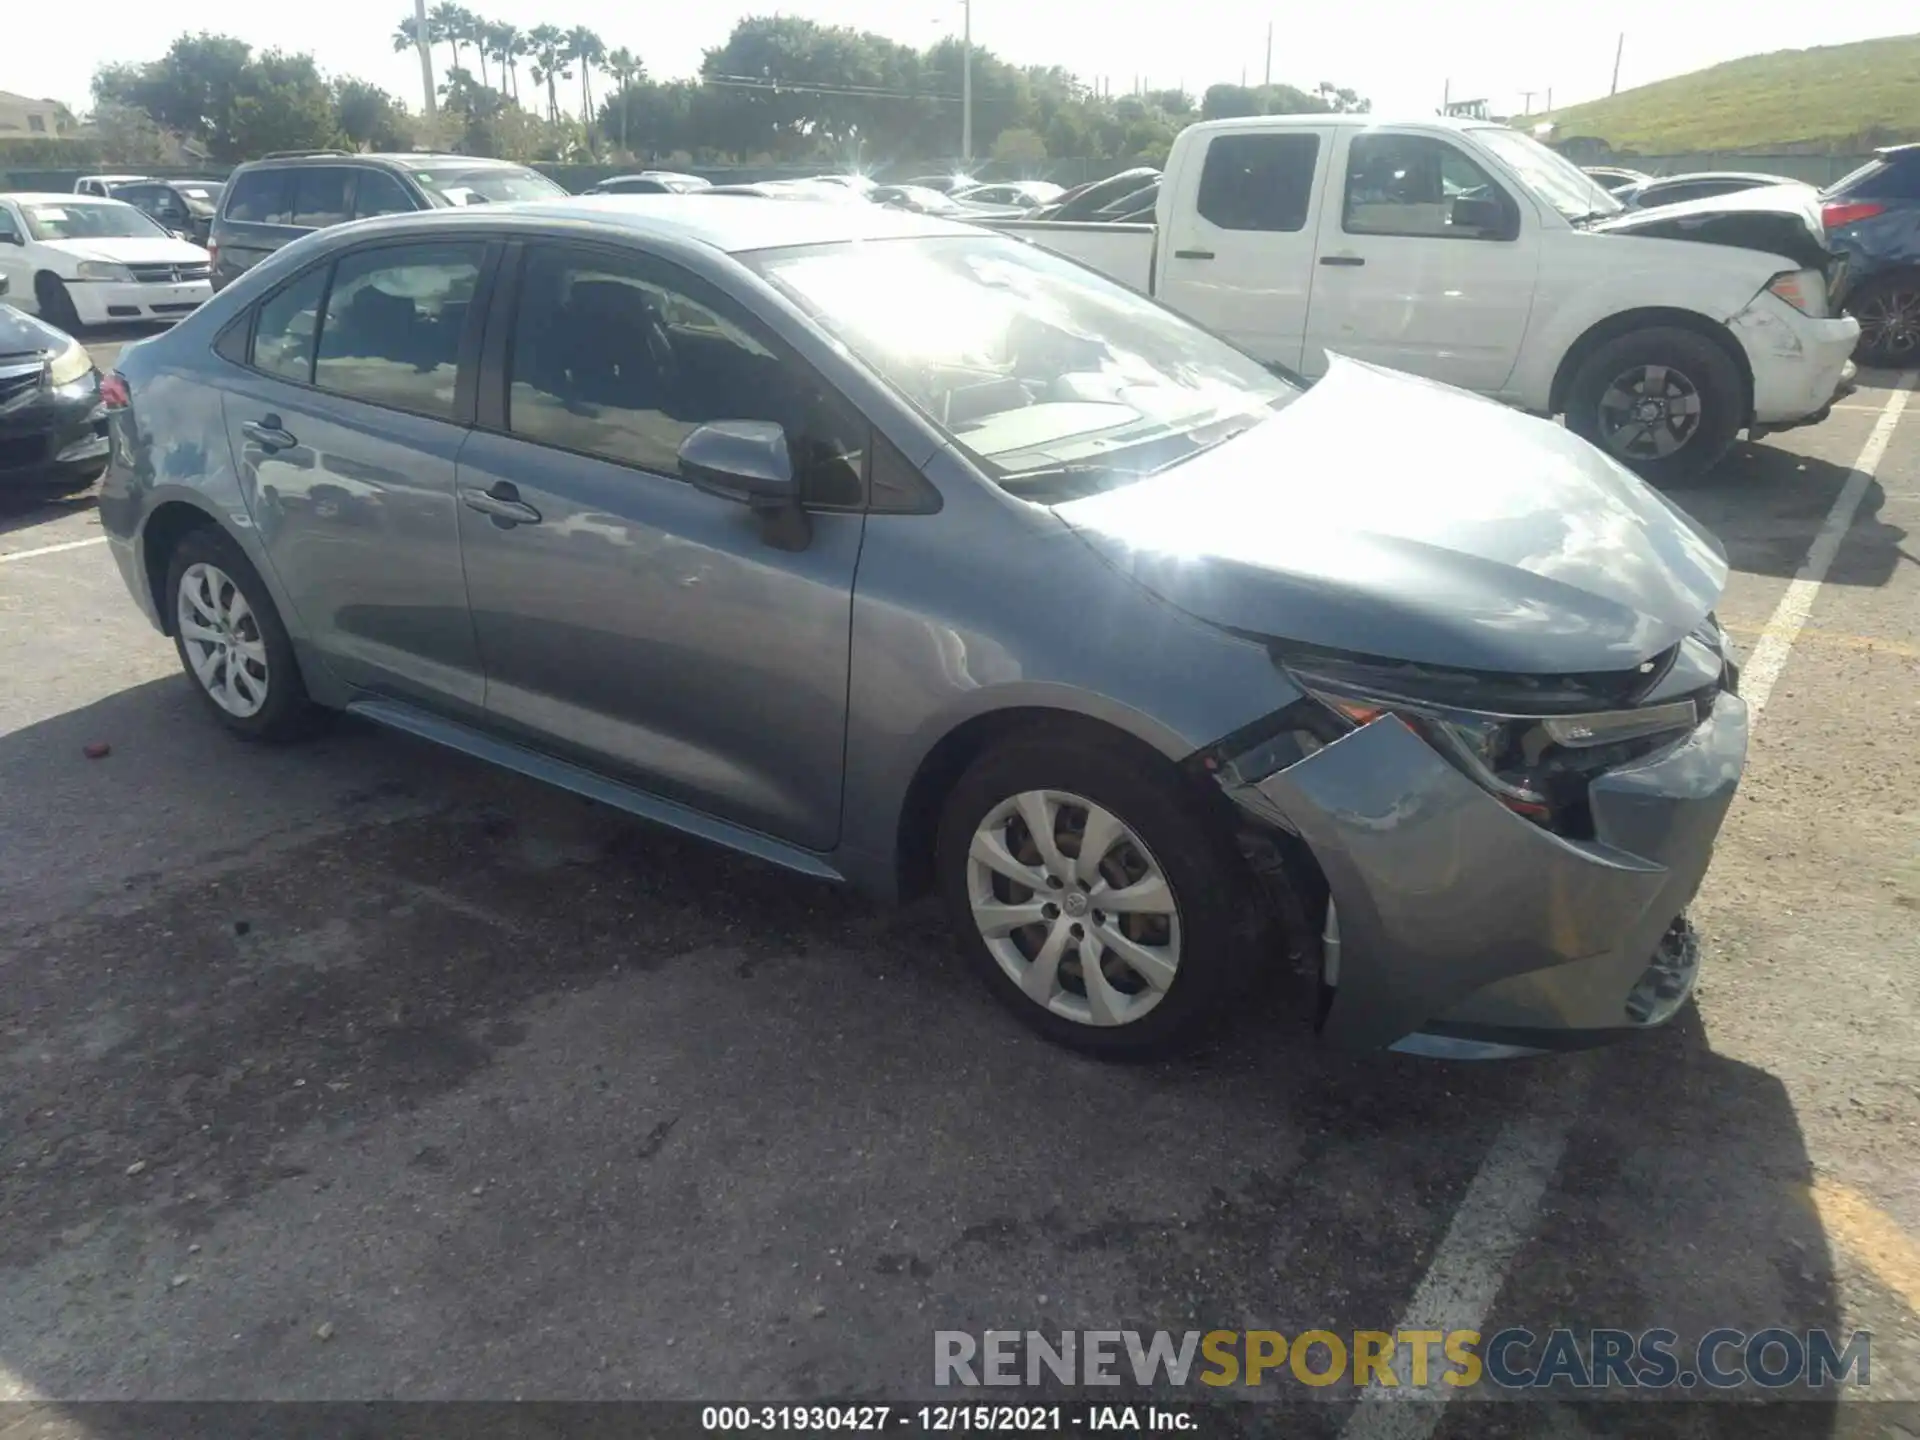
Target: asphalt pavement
x,y
359,1069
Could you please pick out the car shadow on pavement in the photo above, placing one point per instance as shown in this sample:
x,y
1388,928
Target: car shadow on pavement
x,y
21,512
1765,504
490,1082
1684,1202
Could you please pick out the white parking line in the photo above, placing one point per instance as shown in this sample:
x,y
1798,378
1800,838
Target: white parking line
x,y
1790,615
1500,1210
53,549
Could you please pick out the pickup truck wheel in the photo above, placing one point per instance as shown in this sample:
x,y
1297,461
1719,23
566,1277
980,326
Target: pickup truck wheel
x,y
1888,309
1663,401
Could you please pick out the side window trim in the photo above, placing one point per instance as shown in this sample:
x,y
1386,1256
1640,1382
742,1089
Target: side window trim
x,y
466,375
493,413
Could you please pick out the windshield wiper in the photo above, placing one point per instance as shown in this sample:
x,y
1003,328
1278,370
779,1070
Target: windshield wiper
x,y
1072,470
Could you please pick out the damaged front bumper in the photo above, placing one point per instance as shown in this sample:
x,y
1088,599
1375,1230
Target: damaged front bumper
x,y
1463,929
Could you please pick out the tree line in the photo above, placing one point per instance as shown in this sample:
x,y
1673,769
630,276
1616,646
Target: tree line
x,y
780,90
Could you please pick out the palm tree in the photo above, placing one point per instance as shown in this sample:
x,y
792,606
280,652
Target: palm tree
x,y
405,38
477,36
506,44
588,49
626,69
455,24
548,45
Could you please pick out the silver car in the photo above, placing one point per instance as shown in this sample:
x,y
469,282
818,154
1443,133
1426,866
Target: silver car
x,y
896,552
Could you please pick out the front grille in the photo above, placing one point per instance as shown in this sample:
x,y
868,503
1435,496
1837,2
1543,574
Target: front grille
x,y
15,384
170,274
17,452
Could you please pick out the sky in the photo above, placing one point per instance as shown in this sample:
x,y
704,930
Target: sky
x,y
1403,54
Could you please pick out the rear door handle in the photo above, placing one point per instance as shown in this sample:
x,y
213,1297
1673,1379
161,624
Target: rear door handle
x,y
503,503
268,433
1341,260
1193,254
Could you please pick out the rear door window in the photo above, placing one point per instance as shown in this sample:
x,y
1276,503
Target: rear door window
x,y
1258,182
289,320
260,197
320,196
395,317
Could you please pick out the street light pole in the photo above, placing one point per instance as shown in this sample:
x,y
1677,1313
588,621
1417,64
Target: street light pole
x,y
426,54
966,83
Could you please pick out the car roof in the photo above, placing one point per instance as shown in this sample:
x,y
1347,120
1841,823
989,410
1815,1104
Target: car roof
x,y
1361,120
58,197
731,223
406,159
1692,175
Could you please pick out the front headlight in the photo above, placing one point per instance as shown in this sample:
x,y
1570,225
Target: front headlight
x,y
1539,766
69,365
102,270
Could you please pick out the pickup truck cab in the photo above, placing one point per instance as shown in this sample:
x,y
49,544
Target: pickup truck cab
x,y
1471,254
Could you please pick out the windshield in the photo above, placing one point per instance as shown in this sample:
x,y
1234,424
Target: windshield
x,y
493,184
1551,178
87,220
1055,380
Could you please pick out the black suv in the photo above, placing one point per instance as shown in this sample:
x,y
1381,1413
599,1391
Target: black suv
x,y
185,207
278,199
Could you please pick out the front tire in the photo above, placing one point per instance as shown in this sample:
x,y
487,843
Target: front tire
x,y
56,304
1663,401
1093,897
231,642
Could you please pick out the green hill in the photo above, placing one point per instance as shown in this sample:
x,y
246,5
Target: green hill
x,y
1843,97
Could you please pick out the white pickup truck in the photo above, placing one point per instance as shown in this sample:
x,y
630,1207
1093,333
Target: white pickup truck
x,y
1470,253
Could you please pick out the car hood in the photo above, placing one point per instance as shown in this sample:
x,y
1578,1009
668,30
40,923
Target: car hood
x,y
24,337
131,250
1776,219
1395,517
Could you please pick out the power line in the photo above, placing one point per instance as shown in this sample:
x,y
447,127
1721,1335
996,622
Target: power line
x,y
880,92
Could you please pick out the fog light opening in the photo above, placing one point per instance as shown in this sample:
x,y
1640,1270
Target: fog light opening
x,y
1667,982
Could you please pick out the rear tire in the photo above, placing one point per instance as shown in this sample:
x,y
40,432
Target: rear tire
x,y
1663,401
56,304
231,642
1166,959
1888,309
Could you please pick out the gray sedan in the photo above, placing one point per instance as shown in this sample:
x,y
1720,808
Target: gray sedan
x,y
903,554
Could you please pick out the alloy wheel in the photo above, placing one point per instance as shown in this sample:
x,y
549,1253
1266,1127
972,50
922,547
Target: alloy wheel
x,y
1890,321
222,639
1073,907
1649,412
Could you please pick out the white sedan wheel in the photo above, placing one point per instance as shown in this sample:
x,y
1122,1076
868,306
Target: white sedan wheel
x,y
1074,908
222,639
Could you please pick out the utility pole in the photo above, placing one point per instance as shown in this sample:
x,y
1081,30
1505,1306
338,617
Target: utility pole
x,y
426,55
1269,79
1527,101
1446,96
1616,63
966,83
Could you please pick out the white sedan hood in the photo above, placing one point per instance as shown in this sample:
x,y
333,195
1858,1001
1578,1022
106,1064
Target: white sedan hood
x,y
130,250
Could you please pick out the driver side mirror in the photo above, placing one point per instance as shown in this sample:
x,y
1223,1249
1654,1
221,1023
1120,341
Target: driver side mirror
x,y
11,237
1486,216
747,462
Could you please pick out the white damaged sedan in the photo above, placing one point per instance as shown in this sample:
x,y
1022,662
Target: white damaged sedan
x,y
78,260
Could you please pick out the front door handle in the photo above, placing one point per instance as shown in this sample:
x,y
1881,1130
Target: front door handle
x,y
1342,260
269,434
503,503
1193,254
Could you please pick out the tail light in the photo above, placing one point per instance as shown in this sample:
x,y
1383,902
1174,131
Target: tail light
x,y
213,255
114,391
1838,213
